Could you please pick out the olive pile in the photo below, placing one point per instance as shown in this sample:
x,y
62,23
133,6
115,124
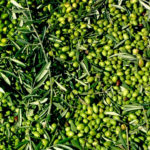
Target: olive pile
x,y
74,74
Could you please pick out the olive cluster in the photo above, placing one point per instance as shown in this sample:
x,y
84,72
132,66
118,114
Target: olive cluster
x,y
8,119
98,76
98,126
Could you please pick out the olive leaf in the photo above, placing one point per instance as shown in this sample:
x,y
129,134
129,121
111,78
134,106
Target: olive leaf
x,y
79,81
122,140
60,86
43,72
132,107
5,78
112,113
63,141
40,83
1,90
125,56
76,144
58,106
17,62
22,143
64,147
16,4
85,67
119,7
120,43
145,5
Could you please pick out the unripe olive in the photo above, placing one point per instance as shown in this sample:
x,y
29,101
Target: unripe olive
x,y
44,142
80,127
141,62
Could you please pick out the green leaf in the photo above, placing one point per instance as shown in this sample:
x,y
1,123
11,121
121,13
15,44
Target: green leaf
x,y
125,86
5,78
27,87
16,45
120,43
10,73
79,81
110,37
64,113
43,72
148,53
120,2
115,148
85,67
124,27
148,112
73,127
119,7
21,41
132,107
16,4
76,144
64,141
122,140
23,30
145,5
112,113
44,33
17,62
97,69
146,24
133,145
40,83
125,56
60,86
20,117
94,84
58,105
21,144
143,129
1,90
64,147
43,112
57,148
34,146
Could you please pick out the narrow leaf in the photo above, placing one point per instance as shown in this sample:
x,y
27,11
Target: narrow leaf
x,y
16,45
16,4
73,127
42,72
65,147
79,81
120,43
10,73
145,5
125,56
17,62
1,90
20,117
131,107
64,141
119,7
5,78
60,86
84,67
41,82
112,113
58,105
21,144
57,148
122,140
76,144
64,113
